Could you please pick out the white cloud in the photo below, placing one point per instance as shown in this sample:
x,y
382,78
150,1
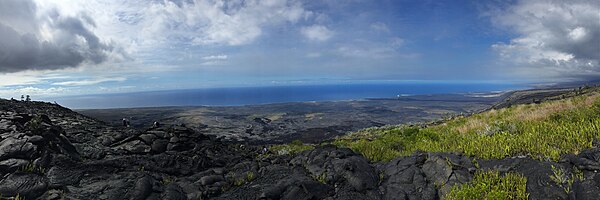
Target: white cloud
x,y
90,81
40,34
371,49
142,23
317,33
19,78
213,60
34,92
29,78
142,30
555,38
37,38
204,22
215,57
380,27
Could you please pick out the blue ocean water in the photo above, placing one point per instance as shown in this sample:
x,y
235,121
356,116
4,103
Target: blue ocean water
x,y
274,94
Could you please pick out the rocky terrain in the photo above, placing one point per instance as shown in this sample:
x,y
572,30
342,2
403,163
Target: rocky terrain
x,y
51,152
310,122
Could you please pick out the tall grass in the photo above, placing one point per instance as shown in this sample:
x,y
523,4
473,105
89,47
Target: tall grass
x,y
491,185
543,131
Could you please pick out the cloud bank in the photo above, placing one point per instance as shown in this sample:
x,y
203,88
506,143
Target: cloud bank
x,y
36,40
90,81
49,35
555,38
208,22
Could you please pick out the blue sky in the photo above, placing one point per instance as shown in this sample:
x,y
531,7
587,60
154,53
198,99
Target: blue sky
x,y
62,47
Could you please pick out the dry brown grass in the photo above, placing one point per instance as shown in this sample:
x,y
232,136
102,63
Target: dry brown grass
x,y
472,124
527,112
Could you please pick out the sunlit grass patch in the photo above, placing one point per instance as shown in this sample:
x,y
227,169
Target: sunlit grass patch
x,y
526,112
290,149
543,131
491,185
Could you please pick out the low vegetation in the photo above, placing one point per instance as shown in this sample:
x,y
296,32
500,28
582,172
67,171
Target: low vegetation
x,y
32,168
250,176
290,149
491,185
542,131
168,180
565,179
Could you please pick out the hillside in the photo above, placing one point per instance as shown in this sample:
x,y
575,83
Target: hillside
x,y
543,140
547,150
310,122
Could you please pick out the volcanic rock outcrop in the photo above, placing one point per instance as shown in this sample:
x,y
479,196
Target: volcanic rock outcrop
x,y
50,152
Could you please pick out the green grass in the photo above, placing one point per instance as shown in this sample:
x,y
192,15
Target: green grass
x,y
321,178
32,168
564,179
290,149
35,123
250,176
168,180
543,131
491,185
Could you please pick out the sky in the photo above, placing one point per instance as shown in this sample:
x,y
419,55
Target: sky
x,y
72,47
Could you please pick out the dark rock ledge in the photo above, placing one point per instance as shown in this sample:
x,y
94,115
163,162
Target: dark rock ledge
x,y
49,152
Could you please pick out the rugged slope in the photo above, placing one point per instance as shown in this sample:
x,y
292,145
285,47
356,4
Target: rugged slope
x,y
309,122
540,95
50,152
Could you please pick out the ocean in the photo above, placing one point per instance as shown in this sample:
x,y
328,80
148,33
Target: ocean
x,y
274,94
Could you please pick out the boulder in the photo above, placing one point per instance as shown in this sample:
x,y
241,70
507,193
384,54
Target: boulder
x,y
27,185
446,170
539,184
209,180
16,148
12,164
339,166
59,176
404,179
135,146
159,145
142,188
148,138
296,187
173,192
588,188
588,159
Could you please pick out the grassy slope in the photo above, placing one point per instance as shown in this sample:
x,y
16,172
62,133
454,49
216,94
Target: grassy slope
x,y
543,131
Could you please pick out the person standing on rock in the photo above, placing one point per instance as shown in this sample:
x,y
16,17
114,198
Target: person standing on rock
x,y
27,98
22,98
125,122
